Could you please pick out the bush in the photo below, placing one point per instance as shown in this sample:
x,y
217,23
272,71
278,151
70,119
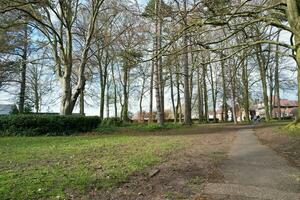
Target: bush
x,y
34,125
112,121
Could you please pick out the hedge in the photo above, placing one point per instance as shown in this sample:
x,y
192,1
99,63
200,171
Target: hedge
x,y
34,125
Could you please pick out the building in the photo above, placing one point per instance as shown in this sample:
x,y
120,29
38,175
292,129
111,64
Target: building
x,y
6,109
288,108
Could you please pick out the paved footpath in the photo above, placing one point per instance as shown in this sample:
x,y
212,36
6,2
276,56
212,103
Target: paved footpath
x,y
254,171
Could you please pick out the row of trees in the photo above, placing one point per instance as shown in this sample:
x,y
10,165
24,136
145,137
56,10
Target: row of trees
x,y
197,55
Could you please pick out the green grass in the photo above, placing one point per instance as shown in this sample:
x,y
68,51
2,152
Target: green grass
x,y
286,127
154,127
45,167
105,129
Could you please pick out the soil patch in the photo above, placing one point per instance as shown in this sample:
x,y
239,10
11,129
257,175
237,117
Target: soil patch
x,y
279,140
183,173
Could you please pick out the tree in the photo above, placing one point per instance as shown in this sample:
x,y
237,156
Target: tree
x,y
293,15
187,100
61,35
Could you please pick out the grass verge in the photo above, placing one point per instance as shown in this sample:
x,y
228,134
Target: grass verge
x,y
137,127
49,167
284,140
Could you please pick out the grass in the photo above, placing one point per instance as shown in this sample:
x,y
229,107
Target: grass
x,y
154,127
47,167
293,129
286,127
137,127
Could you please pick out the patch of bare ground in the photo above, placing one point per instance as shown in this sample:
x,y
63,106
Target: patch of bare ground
x,y
183,173
279,140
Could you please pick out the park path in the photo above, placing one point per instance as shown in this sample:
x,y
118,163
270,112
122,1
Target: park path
x,y
254,171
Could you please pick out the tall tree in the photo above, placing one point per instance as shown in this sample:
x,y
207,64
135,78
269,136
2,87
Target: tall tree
x,y
61,35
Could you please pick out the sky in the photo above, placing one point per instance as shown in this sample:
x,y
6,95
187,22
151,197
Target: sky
x,y
6,98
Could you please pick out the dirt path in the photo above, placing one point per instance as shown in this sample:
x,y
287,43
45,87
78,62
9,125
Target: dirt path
x,y
254,171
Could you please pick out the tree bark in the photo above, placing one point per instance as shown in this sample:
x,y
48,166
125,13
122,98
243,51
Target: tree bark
x,y
151,94
178,105
125,117
187,101
233,102
214,99
271,91
172,94
158,69
115,91
200,96
205,96
277,84
103,74
23,70
107,101
233,94
293,15
245,80
224,99
298,79
262,71
141,117
81,102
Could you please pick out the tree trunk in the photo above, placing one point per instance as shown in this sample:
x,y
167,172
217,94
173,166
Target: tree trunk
x,y
205,96
102,97
293,15
37,98
115,91
271,91
103,81
172,94
151,94
65,108
141,118
81,102
178,106
125,117
233,87
297,40
245,89
107,101
213,94
224,99
187,101
23,70
158,70
233,103
277,85
200,96
262,70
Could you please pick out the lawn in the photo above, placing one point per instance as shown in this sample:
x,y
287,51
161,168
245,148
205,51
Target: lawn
x,y
54,167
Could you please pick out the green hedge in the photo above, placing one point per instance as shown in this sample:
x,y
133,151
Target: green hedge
x,y
34,125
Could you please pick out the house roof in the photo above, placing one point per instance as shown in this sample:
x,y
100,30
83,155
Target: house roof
x,y
5,109
285,102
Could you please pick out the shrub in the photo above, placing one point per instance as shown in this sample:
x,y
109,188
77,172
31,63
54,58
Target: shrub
x,y
34,125
112,121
